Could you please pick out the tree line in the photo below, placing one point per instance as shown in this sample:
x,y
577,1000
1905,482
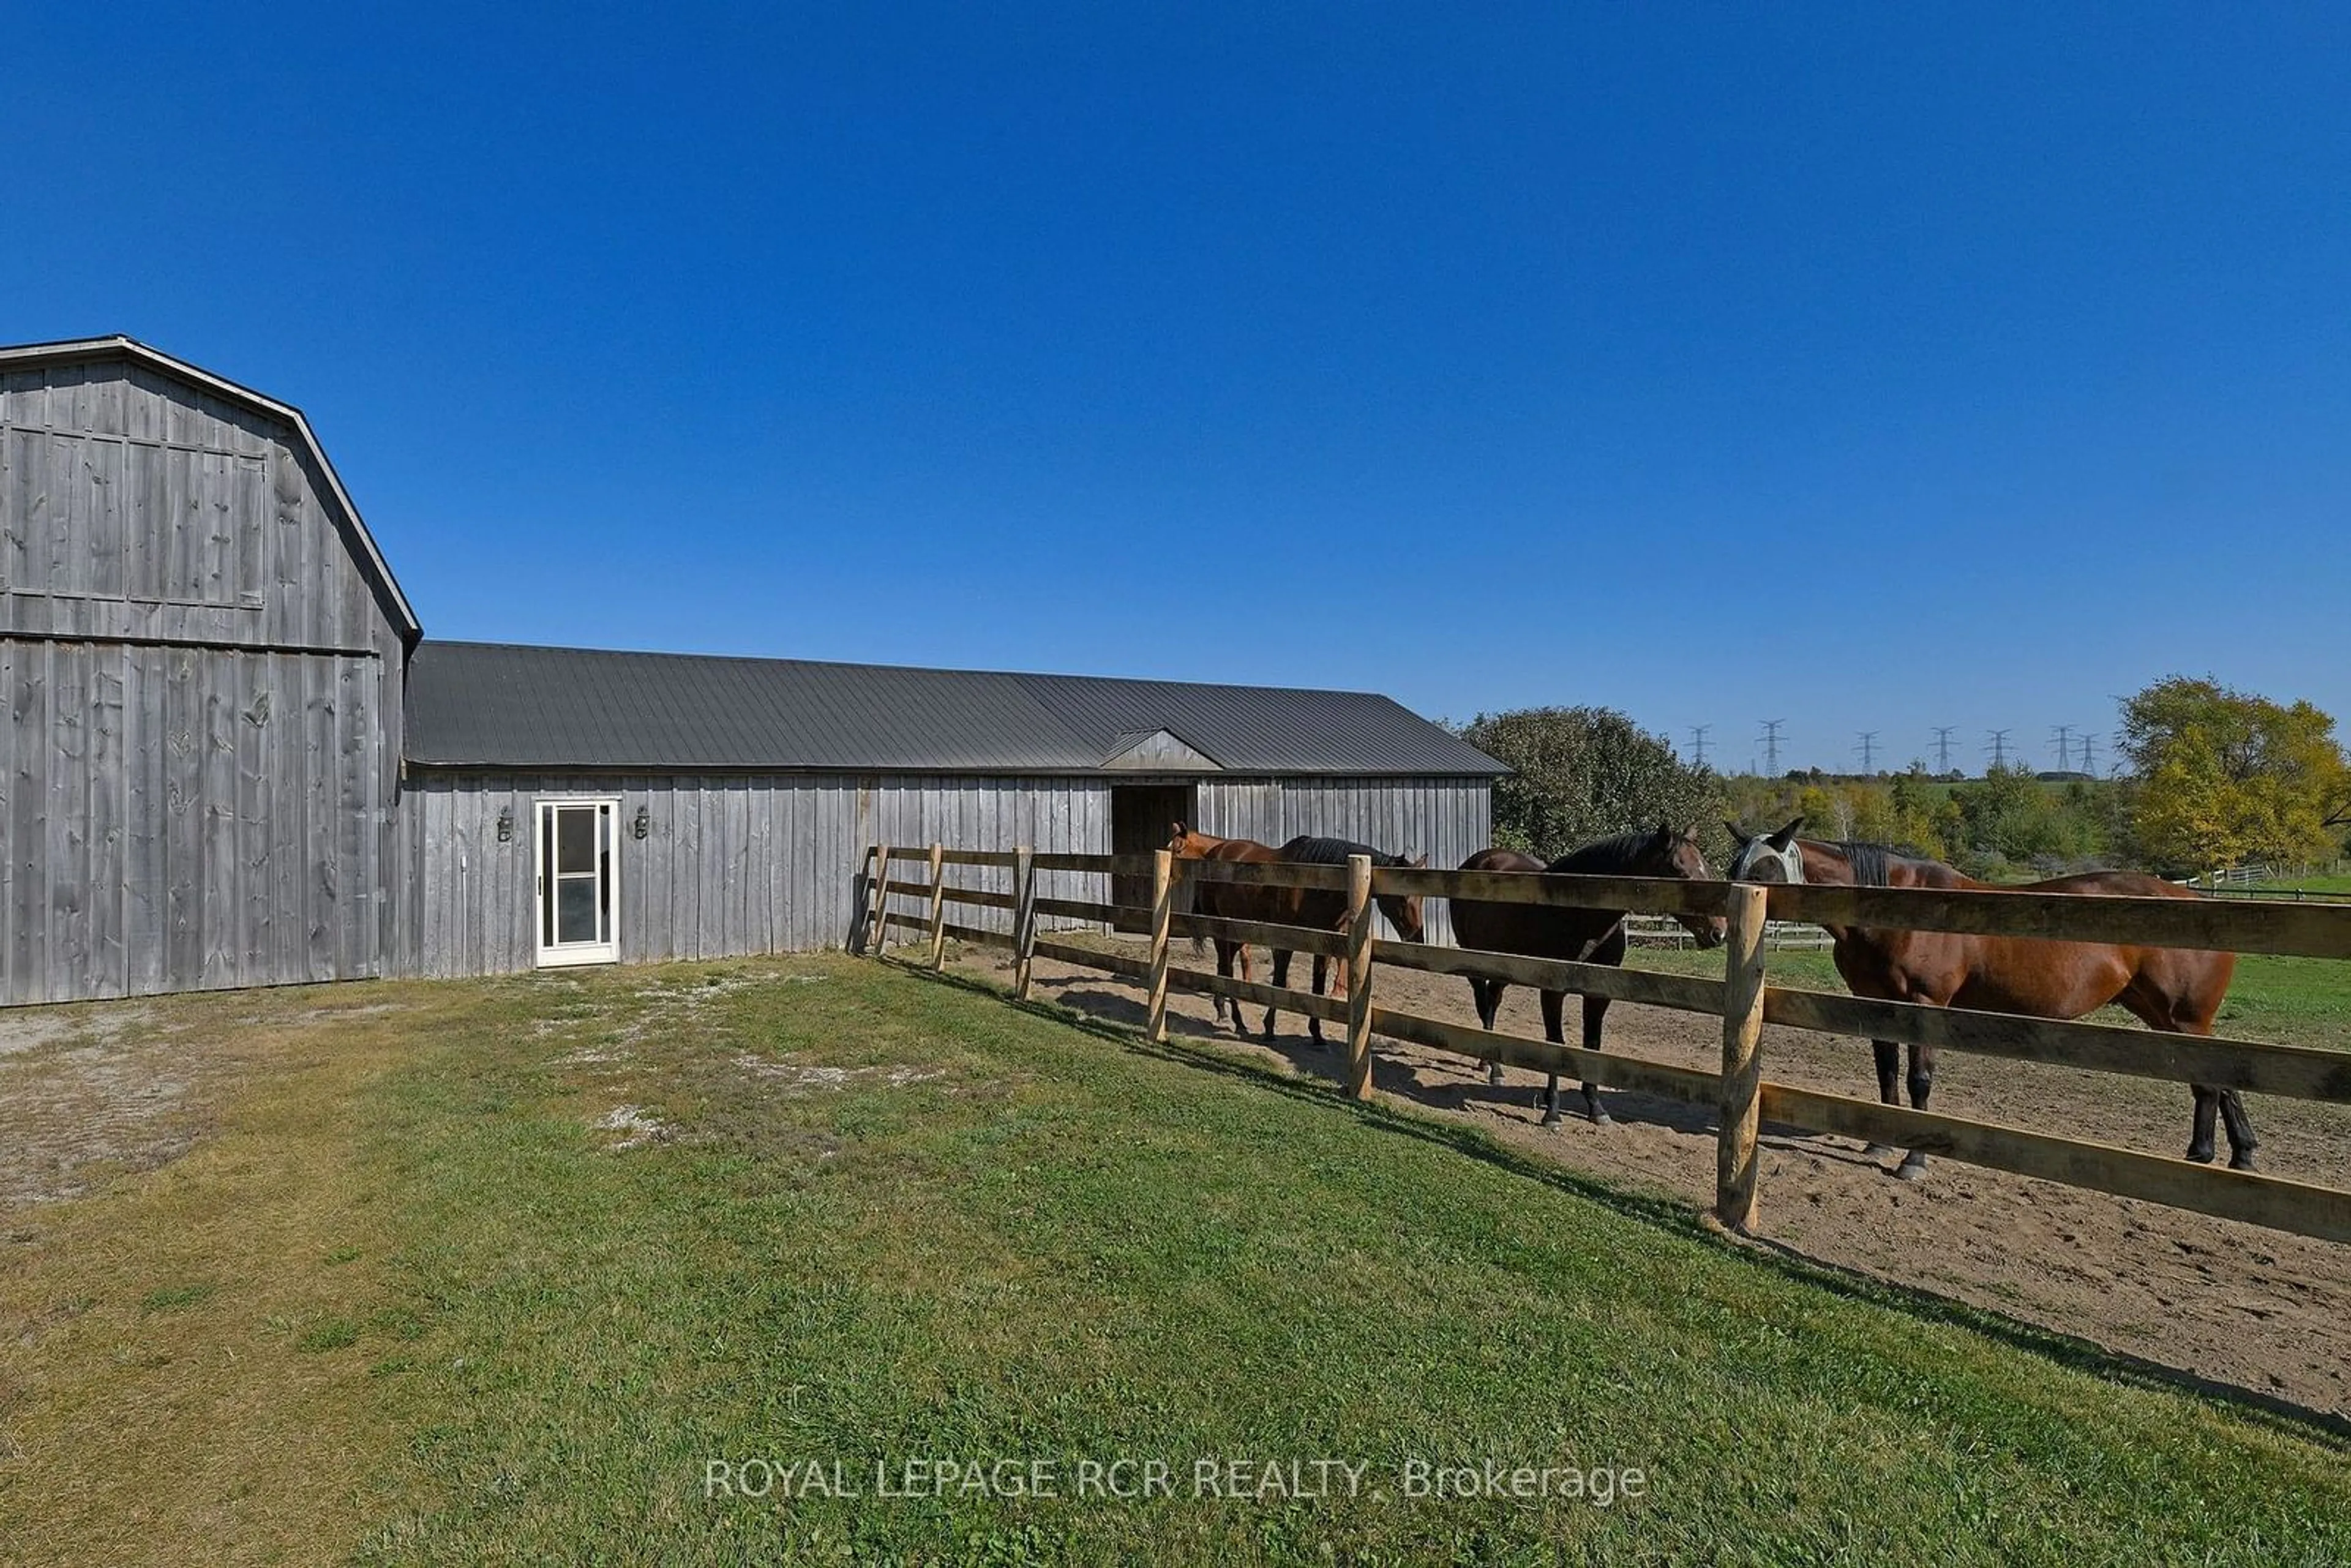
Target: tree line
x,y
2216,778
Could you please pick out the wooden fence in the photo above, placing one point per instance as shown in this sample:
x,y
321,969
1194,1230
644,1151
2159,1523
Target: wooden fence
x,y
1744,1000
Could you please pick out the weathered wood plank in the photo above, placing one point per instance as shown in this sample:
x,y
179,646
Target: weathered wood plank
x,y
1125,964
1281,998
1637,894
68,850
2301,1072
1600,1067
1688,992
1070,861
1265,934
1267,874
13,987
2256,1199
2310,930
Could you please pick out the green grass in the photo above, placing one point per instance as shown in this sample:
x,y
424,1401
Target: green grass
x,y
886,1218
1061,1248
2289,1001
2334,882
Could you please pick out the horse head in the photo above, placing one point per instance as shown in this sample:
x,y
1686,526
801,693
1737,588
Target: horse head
x,y
1767,857
1675,853
1403,913
1190,845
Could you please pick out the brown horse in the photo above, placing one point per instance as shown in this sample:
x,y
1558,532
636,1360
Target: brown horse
x,y
1317,908
2174,990
1577,936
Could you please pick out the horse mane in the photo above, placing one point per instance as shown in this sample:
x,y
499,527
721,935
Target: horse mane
x,y
1611,853
1873,862
1334,852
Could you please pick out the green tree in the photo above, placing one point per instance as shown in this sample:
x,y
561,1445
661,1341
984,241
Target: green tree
x,y
2227,775
1582,773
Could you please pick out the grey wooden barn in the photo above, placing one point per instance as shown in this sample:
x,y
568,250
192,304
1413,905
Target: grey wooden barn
x,y
232,758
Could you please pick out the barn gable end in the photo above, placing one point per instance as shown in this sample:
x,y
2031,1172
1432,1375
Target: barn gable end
x,y
205,657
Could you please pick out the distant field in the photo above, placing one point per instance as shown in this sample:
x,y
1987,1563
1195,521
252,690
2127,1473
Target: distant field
x,y
2336,884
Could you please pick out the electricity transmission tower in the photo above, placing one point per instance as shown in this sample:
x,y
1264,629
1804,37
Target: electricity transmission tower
x,y
1943,747
2089,762
2064,738
1998,748
1697,741
1771,746
1868,749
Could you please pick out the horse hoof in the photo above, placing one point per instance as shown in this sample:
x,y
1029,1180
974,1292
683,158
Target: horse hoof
x,y
1551,1119
2200,1156
1912,1168
1601,1118
2240,1162
1493,1077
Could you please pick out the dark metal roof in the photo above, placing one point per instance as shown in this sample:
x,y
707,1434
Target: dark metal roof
x,y
491,705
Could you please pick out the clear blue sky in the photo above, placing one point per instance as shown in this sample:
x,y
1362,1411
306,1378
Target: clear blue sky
x,y
1870,371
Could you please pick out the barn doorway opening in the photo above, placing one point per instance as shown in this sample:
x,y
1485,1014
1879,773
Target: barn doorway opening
x,y
1141,816
579,883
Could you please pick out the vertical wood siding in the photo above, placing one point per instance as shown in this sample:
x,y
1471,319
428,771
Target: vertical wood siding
x,y
183,819
200,761
729,864
768,864
1447,820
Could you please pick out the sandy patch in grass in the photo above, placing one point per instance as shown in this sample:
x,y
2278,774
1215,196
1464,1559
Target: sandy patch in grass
x,y
636,1127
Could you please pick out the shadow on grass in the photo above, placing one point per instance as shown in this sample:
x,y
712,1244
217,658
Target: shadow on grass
x,y
1313,1079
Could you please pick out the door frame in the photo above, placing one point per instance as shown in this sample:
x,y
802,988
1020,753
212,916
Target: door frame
x,y
556,954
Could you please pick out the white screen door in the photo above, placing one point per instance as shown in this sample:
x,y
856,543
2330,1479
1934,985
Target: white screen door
x,y
579,881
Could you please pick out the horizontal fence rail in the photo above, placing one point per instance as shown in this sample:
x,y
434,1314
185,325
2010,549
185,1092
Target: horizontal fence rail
x,y
1742,999
2313,931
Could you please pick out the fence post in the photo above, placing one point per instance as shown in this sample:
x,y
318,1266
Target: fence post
x,y
1359,975
1024,918
876,920
1162,910
938,907
1743,1069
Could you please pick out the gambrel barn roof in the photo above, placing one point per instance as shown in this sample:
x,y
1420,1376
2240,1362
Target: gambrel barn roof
x,y
495,705
100,352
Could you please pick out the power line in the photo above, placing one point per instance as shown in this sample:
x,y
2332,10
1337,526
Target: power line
x,y
1998,748
1868,749
1771,746
1943,747
1697,741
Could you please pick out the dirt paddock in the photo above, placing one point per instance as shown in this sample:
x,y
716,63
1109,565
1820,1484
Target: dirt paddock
x,y
2236,1304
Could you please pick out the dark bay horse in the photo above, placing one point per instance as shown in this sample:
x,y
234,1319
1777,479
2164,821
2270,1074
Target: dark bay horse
x,y
1317,908
1576,936
2174,990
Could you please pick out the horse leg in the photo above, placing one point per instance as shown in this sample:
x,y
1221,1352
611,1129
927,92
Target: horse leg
x,y
2207,1112
1553,1002
1595,1009
1488,995
2241,1142
1890,1088
1922,1083
1313,1023
1280,979
1224,972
